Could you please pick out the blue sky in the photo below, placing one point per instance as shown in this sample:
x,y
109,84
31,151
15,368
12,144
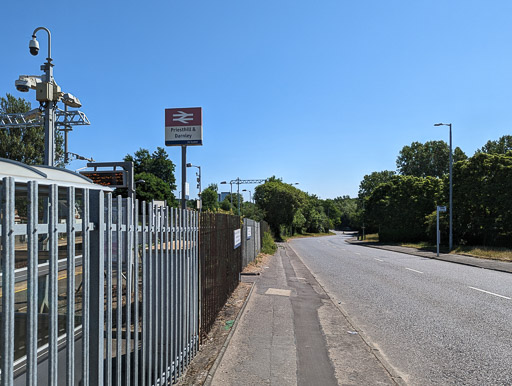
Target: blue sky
x,y
319,93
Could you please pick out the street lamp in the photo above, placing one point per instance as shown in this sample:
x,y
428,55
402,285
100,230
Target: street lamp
x,y
230,190
189,165
250,194
450,242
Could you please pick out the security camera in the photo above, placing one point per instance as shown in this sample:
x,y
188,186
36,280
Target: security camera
x,y
71,100
33,45
27,82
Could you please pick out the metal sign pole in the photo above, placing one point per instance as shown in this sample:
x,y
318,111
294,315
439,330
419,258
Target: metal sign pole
x,y
183,176
439,209
437,232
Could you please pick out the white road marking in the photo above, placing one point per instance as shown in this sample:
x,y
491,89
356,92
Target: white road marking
x,y
357,253
378,259
490,293
410,269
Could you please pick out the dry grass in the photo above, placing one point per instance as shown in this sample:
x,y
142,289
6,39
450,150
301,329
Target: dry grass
x,y
300,236
494,253
374,237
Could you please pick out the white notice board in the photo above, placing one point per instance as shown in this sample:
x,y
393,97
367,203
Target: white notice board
x,y
238,238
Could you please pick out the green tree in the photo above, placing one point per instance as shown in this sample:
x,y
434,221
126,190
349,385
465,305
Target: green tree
x,y
399,207
226,204
316,219
482,193
25,144
501,146
153,188
280,202
371,181
348,212
157,170
427,159
210,198
252,211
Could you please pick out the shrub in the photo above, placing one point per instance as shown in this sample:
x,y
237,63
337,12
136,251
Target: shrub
x,y
268,245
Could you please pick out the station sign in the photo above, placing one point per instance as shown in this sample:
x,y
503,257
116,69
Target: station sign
x,y
184,126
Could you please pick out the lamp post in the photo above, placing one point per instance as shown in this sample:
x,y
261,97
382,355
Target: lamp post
x,y
230,190
189,165
250,194
450,240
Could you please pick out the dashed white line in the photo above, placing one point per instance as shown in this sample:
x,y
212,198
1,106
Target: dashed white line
x,y
410,269
357,253
490,293
378,259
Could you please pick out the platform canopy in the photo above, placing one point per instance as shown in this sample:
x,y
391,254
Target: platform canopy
x,y
46,175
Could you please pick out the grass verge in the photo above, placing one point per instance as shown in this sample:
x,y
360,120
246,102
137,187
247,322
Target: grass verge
x,y
492,253
495,253
303,235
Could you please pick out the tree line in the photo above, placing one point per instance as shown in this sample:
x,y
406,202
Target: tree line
x,y
401,206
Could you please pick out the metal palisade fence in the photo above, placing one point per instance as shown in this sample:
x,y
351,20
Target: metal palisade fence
x,y
220,262
121,280
97,290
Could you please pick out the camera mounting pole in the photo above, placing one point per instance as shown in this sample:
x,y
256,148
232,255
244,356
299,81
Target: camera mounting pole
x,y
49,116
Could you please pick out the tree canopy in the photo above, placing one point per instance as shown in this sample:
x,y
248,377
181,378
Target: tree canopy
x,y
157,172
25,144
501,146
427,159
398,208
279,201
371,181
210,198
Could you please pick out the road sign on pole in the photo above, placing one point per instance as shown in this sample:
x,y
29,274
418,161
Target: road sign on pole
x,y
184,126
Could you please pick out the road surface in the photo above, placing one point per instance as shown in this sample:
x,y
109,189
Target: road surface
x,y
436,323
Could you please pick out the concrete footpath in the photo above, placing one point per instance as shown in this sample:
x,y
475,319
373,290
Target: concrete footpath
x,y
291,333
496,265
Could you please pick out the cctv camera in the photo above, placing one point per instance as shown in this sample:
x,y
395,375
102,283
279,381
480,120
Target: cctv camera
x,y
71,100
33,45
22,85
26,82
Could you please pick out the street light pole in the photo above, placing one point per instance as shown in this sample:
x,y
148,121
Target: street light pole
x,y
450,239
189,165
238,193
49,116
250,194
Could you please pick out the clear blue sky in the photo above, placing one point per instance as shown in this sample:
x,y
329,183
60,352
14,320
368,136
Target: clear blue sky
x,y
319,93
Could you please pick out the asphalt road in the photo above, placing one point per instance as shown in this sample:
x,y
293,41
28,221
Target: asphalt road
x,y
436,323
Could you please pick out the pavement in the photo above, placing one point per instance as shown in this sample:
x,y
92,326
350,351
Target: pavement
x,y
495,265
292,333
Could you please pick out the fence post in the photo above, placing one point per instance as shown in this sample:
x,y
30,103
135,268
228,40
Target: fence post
x,y
97,287
7,210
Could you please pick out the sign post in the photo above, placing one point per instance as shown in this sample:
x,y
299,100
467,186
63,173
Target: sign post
x,y
184,127
439,209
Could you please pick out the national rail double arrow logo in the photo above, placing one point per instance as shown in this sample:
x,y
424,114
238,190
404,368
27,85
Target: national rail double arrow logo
x,y
183,117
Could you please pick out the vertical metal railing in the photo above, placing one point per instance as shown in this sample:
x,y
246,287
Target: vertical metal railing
x,y
146,293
